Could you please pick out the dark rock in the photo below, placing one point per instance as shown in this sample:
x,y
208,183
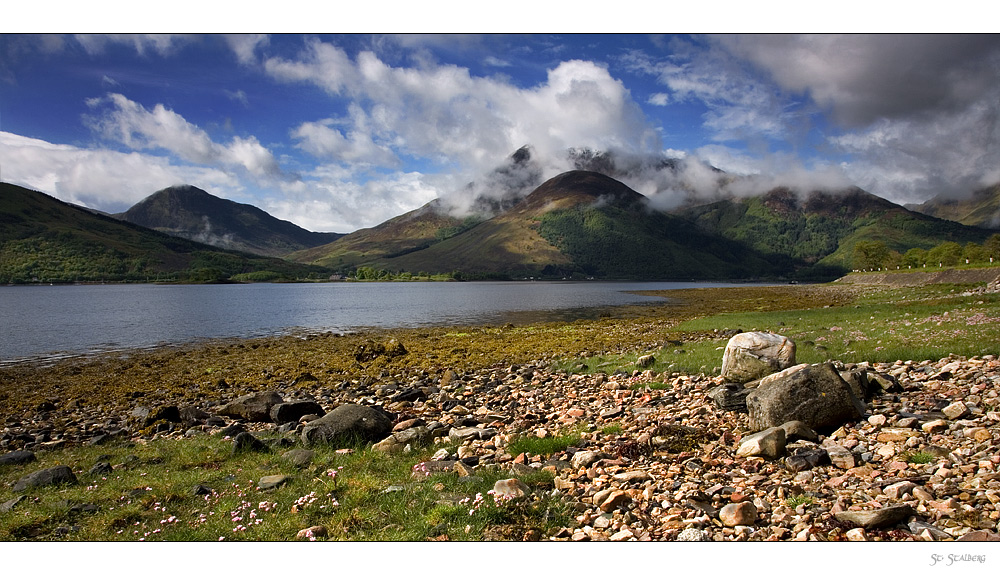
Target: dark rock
x,y
347,424
292,411
807,459
191,415
215,421
409,394
167,413
730,397
247,442
232,430
50,476
416,436
253,407
17,458
99,439
299,457
816,395
877,518
199,490
101,468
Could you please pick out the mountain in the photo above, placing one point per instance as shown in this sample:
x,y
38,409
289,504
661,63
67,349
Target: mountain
x,y
579,223
192,213
822,228
981,209
45,240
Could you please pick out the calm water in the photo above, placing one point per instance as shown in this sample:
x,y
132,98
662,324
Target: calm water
x,y
48,321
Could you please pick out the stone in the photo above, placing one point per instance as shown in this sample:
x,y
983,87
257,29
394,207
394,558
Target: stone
x,y
169,413
254,407
612,413
935,426
730,397
807,459
346,425
692,534
769,443
856,534
798,430
272,481
840,456
511,488
586,458
876,518
645,360
19,457
630,476
43,477
460,434
246,441
956,410
980,536
752,355
293,411
623,535
299,457
816,395
8,505
899,489
610,499
191,415
389,445
744,513
100,468
416,436
896,434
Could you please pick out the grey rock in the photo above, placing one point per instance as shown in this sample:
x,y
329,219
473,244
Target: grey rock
x,y
877,518
807,459
253,407
191,415
816,395
299,457
730,397
272,481
840,456
293,411
232,430
956,410
101,468
415,436
691,534
511,488
11,503
43,477
798,430
247,442
346,425
19,457
586,458
769,443
752,355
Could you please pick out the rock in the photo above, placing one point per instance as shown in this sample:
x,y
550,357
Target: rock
x,y
799,430
255,407
876,518
935,426
645,360
611,413
803,460
100,468
692,534
511,488
840,456
299,457
346,425
769,444
247,442
272,481
734,514
292,411
856,534
11,503
169,413
610,499
816,395
17,458
388,445
899,489
979,536
586,458
418,436
956,410
43,477
730,397
752,355
191,415
460,434
630,476
232,430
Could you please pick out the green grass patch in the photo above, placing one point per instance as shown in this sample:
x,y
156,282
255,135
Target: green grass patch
x,y
918,457
543,445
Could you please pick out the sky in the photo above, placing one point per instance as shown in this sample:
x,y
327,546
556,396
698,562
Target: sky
x,y
344,131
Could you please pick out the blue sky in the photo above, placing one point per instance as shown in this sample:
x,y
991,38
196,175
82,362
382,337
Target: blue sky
x,y
339,132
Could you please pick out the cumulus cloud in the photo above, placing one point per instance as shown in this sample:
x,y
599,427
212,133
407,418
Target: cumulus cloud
x,y
161,44
133,125
444,114
100,179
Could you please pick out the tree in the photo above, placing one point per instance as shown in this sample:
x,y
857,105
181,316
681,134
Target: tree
x,y
914,258
974,253
946,254
870,254
992,247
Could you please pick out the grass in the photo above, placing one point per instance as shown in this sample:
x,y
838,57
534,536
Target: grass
x,y
543,445
882,326
797,500
919,457
150,495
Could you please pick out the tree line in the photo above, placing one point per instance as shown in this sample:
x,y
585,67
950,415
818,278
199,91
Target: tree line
x,y
871,255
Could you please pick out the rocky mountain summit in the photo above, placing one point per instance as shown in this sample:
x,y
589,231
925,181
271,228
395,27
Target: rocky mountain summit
x,y
914,455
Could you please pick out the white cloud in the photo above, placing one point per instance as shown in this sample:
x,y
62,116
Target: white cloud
x,y
133,125
101,179
245,45
161,44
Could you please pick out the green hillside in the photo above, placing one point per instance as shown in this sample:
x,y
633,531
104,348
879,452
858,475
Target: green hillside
x,y
822,229
192,213
45,240
981,209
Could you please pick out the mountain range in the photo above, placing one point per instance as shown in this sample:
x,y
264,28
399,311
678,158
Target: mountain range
x,y
981,209
583,223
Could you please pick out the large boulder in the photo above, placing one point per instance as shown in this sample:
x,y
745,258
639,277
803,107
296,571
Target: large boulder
x,y
348,424
43,477
754,354
252,407
292,411
813,394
